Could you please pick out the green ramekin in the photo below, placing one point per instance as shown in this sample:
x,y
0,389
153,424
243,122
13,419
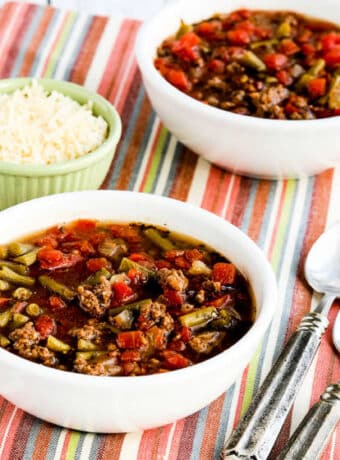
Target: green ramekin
x,y
23,182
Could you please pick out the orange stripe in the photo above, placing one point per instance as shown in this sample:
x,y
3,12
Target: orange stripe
x,y
258,210
65,445
211,428
184,175
42,442
174,451
11,436
111,447
277,220
35,42
88,50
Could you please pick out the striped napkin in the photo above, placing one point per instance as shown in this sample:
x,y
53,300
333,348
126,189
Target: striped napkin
x,y
283,217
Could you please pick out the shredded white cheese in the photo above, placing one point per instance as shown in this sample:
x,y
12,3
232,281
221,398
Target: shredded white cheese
x,y
40,127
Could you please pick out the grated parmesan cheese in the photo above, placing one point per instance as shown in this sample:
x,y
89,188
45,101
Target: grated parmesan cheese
x,y
41,127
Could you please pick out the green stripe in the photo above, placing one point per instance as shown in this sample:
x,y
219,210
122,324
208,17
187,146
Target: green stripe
x,y
60,45
155,161
275,261
72,447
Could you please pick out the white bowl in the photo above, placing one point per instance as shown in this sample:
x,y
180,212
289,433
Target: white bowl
x,y
243,144
120,404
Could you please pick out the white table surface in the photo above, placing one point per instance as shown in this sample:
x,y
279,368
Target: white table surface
x,y
140,9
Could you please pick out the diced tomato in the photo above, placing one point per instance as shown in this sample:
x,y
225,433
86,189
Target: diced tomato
x,y
308,49
131,355
329,41
290,108
131,339
317,87
56,303
173,254
4,301
174,360
186,47
332,57
97,263
186,334
52,259
179,79
173,297
162,264
216,66
221,302
182,262
305,36
123,292
246,25
263,33
85,225
224,273
97,238
275,61
45,325
177,345
238,37
284,77
193,254
289,47
137,277
48,241
207,29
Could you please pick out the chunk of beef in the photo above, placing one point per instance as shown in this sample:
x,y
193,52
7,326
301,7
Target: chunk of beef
x,y
95,300
92,331
105,365
174,279
205,342
267,100
25,342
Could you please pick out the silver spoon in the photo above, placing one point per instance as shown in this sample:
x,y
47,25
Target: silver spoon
x,y
256,433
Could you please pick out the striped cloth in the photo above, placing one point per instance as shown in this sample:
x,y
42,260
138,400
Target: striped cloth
x,y
283,217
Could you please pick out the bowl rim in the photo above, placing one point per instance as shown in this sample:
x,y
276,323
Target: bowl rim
x,y
67,166
258,329
149,71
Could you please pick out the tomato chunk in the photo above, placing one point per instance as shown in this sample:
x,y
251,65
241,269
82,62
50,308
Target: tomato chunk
x,y
332,57
52,259
317,87
238,37
186,47
131,339
224,273
85,225
174,298
4,301
174,360
179,79
123,292
97,263
56,303
131,355
275,61
45,325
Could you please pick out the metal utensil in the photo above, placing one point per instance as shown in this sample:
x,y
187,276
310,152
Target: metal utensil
x,y
311,436
336,333
255,435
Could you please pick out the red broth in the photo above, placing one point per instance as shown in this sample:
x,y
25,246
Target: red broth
x,y
111,299
267,64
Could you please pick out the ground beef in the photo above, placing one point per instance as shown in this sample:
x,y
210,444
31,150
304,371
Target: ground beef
x,y
206,341
92,331
105,366
174,279
95,300
155,314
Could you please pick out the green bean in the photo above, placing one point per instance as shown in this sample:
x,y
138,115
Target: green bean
x,y
18,320
87,355
4,342
334,93
199,317
304,80
135,306
9,275
183,29
263,43
22,293
27,259
3,252
284,30
5,317
4,285
86,345
126,264
56,287
270,79
55,344
317,67
33,310
156,238
249,59
18,249
95,277
220,323
18,268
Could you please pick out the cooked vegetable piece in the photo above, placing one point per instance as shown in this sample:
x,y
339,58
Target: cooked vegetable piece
x,y
164,243
4,285
9,275
132,306
5,318
95,278
3,252
4,342
284,30
18,249
183,29
113,248
27,259
334,93
57,345
249,59
56,287
86,345
22,293
18,268
33,310
127,264
18,320
198,317
87,355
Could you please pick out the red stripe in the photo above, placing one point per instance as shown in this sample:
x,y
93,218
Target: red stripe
x,y
11,435
176,440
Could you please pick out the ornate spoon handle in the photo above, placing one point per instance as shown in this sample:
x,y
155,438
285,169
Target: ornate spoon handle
x,y
311,436
255,435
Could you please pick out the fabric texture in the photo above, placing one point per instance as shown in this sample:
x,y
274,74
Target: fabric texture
x,y
283,217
